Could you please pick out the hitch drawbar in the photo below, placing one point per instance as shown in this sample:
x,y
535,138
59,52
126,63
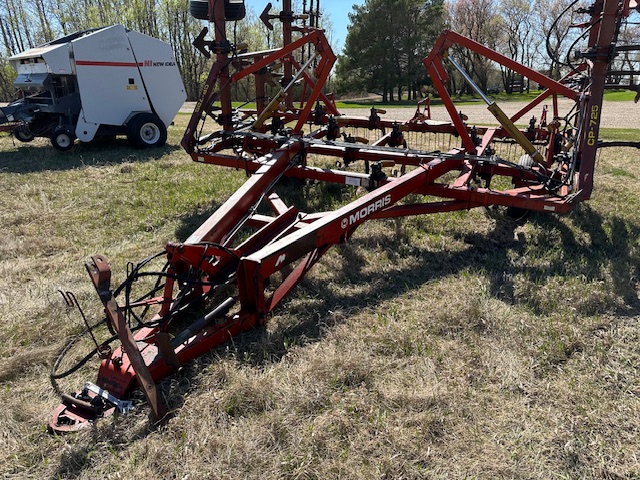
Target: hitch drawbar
x,y
91,403
123,406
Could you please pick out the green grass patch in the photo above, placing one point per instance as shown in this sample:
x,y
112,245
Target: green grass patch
x,y
619,96
610,96
619,134
613,96
456,345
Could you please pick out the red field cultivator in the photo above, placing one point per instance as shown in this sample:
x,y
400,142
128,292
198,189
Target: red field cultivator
x,y
237,267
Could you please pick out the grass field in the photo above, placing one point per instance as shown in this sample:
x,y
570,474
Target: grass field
x,y
609,96
375,100
460,345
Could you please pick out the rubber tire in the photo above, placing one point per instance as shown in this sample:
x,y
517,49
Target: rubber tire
x,y
199,9
146,130
515,213
22,136
62,139
232,11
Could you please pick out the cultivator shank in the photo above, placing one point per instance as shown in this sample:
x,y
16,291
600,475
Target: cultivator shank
x,y
237,267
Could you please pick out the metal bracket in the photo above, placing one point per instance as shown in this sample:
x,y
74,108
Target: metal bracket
x,y
123,406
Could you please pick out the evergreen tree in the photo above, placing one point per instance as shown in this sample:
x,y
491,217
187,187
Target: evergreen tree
x,y
385,43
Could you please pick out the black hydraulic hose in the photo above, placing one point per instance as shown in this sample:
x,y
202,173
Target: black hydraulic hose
x,y
65,350
202,322
133,275
581,37
54,375
552,56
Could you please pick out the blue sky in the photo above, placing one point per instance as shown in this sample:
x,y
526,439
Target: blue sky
x,y
338,11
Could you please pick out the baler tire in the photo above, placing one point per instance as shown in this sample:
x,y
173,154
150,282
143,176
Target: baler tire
x,y
146,130
516,213
199,9
22,136
232,11
62,139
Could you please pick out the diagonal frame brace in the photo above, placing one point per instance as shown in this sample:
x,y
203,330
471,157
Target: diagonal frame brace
x,y
100,273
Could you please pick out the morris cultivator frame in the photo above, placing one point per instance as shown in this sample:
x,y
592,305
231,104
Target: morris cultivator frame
x,y
226,270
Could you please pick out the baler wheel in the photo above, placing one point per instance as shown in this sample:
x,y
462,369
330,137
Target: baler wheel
x,y
199,9
146,130
233,9
62,139
22,135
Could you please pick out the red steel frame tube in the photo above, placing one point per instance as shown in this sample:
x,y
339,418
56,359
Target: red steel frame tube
x,y
289,237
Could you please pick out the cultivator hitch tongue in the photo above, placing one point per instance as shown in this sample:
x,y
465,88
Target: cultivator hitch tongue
x,y
100,274
253,251
147,353
118,369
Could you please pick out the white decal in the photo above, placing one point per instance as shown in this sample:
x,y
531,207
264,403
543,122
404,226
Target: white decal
x,y
281,259
366,211
352,181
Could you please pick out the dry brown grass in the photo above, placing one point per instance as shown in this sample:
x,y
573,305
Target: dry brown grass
x,y
460,345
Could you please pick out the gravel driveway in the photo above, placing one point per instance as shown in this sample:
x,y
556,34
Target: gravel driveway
x,y
614,114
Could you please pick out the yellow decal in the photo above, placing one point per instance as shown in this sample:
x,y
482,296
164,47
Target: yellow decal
x,y
593,122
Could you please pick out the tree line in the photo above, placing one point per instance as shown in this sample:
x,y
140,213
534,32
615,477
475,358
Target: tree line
x,y
387,39
27,24
385,43
383,51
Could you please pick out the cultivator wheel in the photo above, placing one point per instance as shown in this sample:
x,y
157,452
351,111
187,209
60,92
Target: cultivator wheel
x,y
23,134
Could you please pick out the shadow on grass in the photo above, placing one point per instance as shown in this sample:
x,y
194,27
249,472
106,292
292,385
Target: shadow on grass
x,y
585,250
560,253
565,254
190,223
595,245
39,156
78,456
604,252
